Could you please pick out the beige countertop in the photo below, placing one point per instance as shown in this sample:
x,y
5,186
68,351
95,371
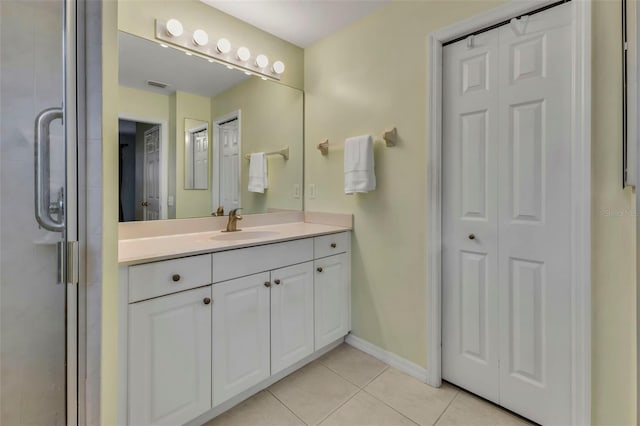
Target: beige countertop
x,y
150,249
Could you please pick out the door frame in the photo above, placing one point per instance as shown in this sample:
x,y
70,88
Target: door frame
x,y
580,191
215,183
164,157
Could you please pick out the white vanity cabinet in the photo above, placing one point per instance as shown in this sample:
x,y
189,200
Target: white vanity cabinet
x,y
240,335
291,315
170,358
204,332
332,298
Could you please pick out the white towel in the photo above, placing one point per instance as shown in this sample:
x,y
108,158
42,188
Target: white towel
x,y
359,174
258,180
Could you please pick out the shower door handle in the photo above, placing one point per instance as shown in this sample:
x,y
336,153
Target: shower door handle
x,y
44,207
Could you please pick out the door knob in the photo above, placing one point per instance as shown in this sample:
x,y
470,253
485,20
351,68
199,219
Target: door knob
x,y
277,282
319,269
472,237
267,284
206,300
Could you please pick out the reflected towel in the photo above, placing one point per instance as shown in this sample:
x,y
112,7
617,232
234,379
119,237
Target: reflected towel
x,y
258,180
359,174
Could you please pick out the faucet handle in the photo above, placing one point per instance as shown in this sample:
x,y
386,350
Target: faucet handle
x,y
234,212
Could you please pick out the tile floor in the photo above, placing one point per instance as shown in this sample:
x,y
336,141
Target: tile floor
x,y
350,388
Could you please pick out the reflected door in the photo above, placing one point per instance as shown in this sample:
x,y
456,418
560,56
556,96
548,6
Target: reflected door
x,y
230,165
506,225
151,203
38,291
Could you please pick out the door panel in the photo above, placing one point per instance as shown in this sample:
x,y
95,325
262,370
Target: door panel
x,y
291,315
170,358
34,294
469,217
230,167
331,289
534,217
152,173
241,335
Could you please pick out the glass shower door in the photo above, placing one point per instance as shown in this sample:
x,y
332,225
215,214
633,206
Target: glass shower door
x,y
38,282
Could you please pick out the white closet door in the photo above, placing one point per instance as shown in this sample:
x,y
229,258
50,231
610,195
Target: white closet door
x,y
470,253
534,217
506,180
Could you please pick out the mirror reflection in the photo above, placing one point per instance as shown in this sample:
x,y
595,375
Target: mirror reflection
x,y
197,138
196,154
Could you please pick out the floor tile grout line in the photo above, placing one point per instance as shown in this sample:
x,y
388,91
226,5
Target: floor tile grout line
x,y
287,407
447,407
339,406
386,367
353,383
393,408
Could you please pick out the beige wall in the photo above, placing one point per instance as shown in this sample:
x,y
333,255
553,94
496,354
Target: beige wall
x,y
271,118
189,202
373,74
138,16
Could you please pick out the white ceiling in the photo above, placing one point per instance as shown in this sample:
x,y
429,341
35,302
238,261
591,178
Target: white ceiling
x,y
141,60
301,22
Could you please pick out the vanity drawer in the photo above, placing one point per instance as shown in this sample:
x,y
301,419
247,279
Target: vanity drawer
x,y
169,276
328,245
231,264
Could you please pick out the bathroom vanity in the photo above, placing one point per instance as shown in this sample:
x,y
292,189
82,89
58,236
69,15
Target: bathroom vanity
x,y
208,319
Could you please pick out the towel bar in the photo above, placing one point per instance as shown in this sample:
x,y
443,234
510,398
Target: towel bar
x,y
390,137
284,152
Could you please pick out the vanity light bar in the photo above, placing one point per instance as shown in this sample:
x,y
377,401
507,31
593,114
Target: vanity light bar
x,y
197,42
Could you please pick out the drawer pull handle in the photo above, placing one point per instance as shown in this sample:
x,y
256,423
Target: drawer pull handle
x,y
267,284
206,300
472,237
277,282
334,245
175,278
319,269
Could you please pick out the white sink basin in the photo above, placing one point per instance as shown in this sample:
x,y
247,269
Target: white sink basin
x,y
244,235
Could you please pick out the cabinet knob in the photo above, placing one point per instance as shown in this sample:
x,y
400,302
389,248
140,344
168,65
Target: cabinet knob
x,y
267,284
175,278
206,300
334,245
319,269
472,237
277,282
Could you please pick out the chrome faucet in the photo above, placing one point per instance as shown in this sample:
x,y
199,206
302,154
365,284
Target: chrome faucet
x,y
233,221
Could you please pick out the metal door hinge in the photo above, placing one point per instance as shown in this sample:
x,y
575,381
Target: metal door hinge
x,y
73,262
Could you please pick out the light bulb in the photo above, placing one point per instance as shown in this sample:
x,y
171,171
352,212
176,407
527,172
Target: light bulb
x,y
278,67
230,67
223,46
163,45
262,61
243,54
247,73
200,38
264,78
188,53
211,60
174,28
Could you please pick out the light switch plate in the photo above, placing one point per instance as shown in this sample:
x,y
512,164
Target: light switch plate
x,y
312,191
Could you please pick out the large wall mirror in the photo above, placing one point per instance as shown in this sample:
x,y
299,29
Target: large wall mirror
x,y
192,134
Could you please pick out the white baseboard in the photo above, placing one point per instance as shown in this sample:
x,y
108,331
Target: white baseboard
x,y
395,361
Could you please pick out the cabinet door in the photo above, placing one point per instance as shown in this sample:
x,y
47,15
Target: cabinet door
x,y
240,335
170,358
332,305
291,315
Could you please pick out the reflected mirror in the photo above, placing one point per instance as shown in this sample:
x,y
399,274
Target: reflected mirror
x,y
196,154
198,138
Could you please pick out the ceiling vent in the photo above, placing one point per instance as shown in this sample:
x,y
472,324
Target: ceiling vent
x,y
157,84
